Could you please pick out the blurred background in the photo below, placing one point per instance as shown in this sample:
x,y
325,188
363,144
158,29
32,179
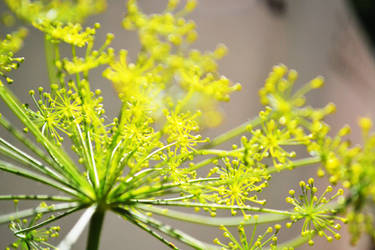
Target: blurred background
x,y
315,37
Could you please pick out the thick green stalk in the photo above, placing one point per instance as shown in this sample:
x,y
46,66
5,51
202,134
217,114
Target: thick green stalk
x,y
96,224
75,233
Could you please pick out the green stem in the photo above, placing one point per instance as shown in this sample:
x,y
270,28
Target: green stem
x,y
215,206
293,243
57,154
123,196
25,141
50,60
12,152
203,163
295,164
219,152
95,229
232,133
36,197
39,210
48,221
10,168
149,230
75,233
215,221
166,229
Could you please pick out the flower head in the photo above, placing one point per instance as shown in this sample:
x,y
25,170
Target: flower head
x,y
318,217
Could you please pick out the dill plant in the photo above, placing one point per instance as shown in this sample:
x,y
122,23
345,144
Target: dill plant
x,y
148,160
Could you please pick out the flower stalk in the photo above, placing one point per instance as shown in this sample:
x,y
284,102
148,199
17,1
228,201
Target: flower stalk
x,y
95,228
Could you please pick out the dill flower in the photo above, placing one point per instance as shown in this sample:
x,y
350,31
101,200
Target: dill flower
x,y
64,11
268,238
8,47
315,211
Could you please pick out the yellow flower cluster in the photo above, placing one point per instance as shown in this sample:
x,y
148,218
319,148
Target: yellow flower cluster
x,y
239,183
92,59
70,33
179,128
8,47
34,239
267,239
165,72
315,211
56,10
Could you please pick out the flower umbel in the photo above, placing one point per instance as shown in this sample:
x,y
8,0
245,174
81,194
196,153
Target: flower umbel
x,y
315,211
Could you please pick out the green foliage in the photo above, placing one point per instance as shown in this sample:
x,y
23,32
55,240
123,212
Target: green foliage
x,y
151,159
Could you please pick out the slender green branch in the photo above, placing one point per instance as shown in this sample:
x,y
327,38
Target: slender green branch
x,y
57,154
39,210
50,60
92,159
215,206
105,185
7,167
163,187
78,78
48,221
203,163
14,153
146,191
86,154
168,230
232,133
7,150
295,164
135,180
119,167
180,198
214,221
36,197
219,152
77,230
154,153
148,230
20,136
296,242
59,73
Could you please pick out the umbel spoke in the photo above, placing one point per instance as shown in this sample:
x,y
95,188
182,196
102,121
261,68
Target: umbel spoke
x,y
39,210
